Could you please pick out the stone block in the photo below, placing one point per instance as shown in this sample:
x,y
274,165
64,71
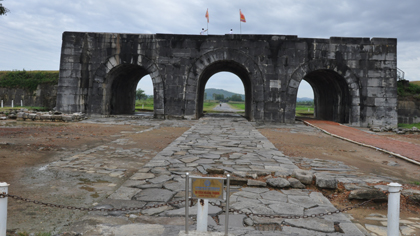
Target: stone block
x,y
303,176
326,181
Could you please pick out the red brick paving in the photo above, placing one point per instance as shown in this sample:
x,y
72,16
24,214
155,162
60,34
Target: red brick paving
x,y
406,149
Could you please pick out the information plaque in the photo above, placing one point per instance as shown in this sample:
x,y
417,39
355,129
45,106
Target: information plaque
x,y
207,188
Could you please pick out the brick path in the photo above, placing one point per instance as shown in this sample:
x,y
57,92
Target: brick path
x,y
406,149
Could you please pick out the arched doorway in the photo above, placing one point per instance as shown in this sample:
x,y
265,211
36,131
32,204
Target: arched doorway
x,y
224,66
122,92
331,95
305,100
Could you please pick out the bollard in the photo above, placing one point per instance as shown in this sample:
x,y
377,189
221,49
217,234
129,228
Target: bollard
x,y
394,209
227,204
187,198
3,209
12,103
202,214
21,103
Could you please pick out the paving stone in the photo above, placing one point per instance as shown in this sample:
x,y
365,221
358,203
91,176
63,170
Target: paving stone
x,y
233,220
154,211
274,196
278,182
286,209
367,194
192,211
304,201
141,176
246,194
124,193
255,190
303,176
315,224
295,183
175,186
288,230
154,195
160,179
379,230
252,182
325,181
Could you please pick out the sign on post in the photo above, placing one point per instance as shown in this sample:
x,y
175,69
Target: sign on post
x,y
207,188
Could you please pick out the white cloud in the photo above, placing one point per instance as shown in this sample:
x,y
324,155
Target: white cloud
x,y
30,35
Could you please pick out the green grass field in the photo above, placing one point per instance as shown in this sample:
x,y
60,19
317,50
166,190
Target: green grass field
x,y
237,105
409,126
304,110
144,105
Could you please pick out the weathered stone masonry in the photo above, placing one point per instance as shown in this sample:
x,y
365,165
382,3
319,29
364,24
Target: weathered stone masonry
x,y
354,79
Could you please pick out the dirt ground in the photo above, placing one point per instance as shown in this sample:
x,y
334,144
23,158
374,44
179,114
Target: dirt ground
x,y
27,147
302,142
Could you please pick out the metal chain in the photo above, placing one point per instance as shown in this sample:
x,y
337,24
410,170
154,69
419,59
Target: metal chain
x,y
3,195
293,216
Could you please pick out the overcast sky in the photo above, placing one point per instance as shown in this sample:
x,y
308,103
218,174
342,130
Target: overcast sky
x,y
30,34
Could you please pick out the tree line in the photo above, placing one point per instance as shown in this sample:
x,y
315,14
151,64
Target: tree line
x,y
221,97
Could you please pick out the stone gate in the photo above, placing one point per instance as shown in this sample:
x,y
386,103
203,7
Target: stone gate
x,y
353,79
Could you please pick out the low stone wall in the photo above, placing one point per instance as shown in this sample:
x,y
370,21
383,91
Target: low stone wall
x,y
25,115
408,111
44,96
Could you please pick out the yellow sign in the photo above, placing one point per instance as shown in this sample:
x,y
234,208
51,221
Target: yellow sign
x,y
207,188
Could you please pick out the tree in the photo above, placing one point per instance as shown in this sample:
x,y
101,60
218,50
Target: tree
x,y
219,97
3,10
140,95
236,98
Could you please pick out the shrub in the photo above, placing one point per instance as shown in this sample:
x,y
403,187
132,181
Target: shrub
x,y
27,79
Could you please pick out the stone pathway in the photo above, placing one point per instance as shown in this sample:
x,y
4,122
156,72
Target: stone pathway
x,y
218,145
226,108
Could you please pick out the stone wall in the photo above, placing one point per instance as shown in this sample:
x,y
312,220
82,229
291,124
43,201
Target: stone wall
x,y
44,96
408,111
354,79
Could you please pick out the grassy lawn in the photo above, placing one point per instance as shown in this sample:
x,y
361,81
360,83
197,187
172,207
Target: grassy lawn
x,y
144,105
237,105
409,126
304,110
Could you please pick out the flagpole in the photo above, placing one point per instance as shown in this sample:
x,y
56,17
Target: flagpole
x,y
207,28
240,22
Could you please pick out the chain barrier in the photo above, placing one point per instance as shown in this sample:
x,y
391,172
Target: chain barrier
x,y
248,214
293,216
3,195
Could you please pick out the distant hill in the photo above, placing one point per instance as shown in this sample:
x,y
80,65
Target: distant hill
x,y
304,99
225,93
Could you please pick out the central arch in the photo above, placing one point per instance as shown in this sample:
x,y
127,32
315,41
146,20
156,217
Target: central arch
x,y
228,60
224,66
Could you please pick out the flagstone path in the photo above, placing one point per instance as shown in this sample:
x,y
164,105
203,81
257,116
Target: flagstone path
x,y
236,147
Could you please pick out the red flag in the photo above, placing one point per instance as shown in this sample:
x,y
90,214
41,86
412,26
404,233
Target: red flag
x,y
207,15
241,16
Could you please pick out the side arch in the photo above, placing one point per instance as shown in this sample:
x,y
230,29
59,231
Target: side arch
x,y
327,78
229,60
115,84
